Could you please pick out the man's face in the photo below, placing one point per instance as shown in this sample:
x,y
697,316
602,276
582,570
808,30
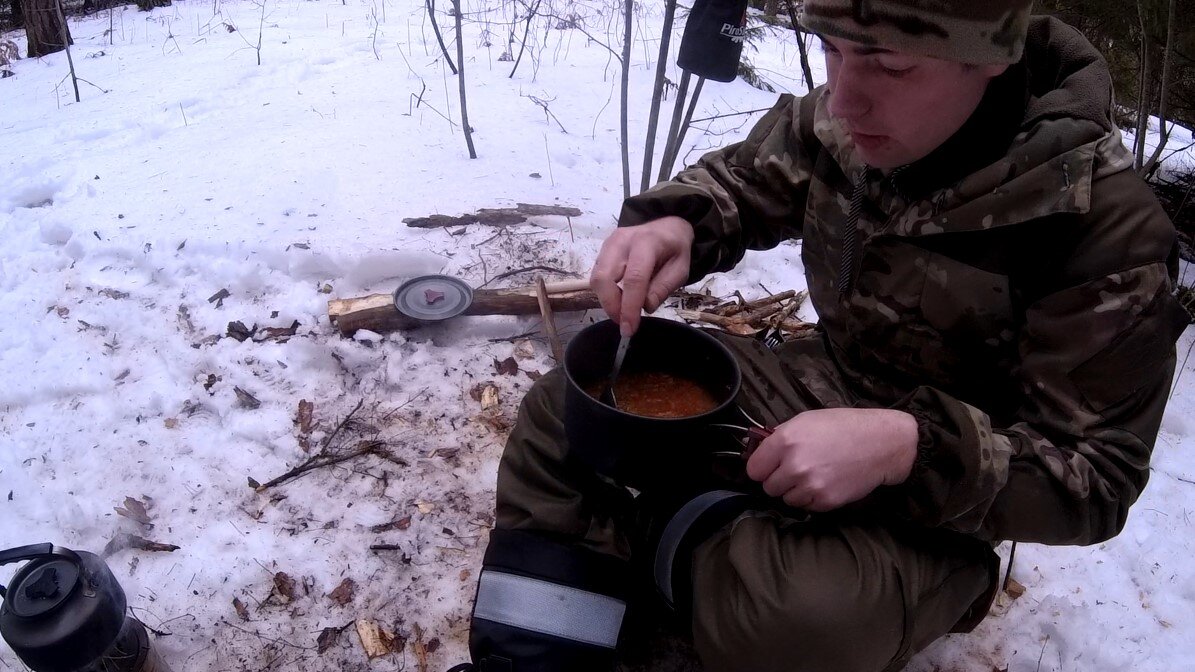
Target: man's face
x,y
898,107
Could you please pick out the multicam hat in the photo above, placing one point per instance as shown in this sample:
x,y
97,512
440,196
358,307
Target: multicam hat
x,y
967,31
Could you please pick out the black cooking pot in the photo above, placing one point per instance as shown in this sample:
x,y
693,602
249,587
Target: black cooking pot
x,y
633,449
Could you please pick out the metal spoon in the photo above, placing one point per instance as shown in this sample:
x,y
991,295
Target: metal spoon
x,y
619,356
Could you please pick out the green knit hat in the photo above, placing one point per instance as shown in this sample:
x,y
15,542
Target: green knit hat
x,y
966,31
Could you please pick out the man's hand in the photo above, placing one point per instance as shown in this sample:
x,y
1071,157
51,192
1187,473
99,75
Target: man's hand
x,y
651,261
824,459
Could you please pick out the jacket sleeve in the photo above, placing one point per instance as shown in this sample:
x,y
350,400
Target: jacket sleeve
x,y
749,195
1097,359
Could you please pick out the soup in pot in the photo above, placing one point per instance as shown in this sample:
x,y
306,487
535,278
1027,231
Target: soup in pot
x,y
657,395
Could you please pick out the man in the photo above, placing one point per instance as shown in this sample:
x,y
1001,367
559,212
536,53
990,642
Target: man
x,y
994,353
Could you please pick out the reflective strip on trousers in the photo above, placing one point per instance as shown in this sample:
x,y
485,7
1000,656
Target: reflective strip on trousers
x,y
549,608
674,533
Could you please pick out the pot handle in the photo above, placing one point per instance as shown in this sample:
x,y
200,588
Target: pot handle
x,y
33,552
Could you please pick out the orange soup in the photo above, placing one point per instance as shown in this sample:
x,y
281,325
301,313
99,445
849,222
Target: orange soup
x,y
657,395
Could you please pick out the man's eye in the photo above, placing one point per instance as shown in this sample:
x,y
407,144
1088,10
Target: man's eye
x,y
895,70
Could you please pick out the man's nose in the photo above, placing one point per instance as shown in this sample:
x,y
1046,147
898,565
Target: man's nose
x,y
848,99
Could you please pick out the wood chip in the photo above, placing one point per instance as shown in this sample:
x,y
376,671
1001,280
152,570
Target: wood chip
x,y
425,507
489,397
123,541
343,594
134,510
277,334
375,640
524,349
239,331
1014,588
218,297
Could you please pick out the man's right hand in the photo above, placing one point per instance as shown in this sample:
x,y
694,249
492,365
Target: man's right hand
x,y
650,261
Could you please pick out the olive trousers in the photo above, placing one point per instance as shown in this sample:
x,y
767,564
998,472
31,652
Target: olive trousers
x,y
774,590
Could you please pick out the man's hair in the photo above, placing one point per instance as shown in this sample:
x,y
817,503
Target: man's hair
x,y
966,31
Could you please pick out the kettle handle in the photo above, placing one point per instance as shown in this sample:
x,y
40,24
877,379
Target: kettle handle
x,y
34,551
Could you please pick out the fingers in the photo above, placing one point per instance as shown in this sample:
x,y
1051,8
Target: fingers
x,y
607,271
636,277
766,458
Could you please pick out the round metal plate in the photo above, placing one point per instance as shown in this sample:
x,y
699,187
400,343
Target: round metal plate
x,y
433,297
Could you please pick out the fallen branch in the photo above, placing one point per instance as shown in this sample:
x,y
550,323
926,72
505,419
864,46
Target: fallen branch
x,y
737,308
493,216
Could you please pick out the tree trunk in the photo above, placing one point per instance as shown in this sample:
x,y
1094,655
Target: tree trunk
x,y
657,93
771,8
146,5
43,29
18,14
628,15
1142,95
1163,133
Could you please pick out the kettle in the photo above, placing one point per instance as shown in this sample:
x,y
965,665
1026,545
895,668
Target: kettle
x,y
65,612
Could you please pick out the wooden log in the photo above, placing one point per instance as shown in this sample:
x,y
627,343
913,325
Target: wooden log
x,y
494,216
378,313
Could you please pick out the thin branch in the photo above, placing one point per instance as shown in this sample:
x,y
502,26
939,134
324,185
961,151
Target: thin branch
x,y
526,34
528,269
460,57
431,14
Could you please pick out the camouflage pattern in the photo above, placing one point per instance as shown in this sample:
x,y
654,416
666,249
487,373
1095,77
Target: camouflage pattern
x,y
1023,313
956,30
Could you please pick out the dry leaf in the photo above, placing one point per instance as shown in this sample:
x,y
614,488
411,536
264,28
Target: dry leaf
x,y
171,423
246,400
420,649
498,423
396,524
303,419
279,334
63,311
376,640
242,610
425,507
134,510
344,592
284,586
327,639
506,367
123,541
464,575
534,375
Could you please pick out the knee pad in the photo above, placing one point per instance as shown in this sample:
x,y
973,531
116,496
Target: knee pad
x,y
675,533
544,606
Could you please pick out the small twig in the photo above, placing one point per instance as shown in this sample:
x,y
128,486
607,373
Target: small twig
x,y
758,303
321,461
385,547
526,269
549,325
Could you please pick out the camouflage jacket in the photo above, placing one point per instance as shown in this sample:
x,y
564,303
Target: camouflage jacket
x,y
1012,290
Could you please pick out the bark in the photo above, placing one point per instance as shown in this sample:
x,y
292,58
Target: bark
x,y
44,29
147,5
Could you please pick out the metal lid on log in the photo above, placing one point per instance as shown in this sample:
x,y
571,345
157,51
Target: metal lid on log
x,y
433,297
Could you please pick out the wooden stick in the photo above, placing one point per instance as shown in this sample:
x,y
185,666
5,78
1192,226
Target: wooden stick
x,y
760,303
545,310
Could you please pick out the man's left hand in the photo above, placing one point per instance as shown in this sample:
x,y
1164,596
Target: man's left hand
x,y
821,460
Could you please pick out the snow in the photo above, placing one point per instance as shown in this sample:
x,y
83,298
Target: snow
x,y
285,184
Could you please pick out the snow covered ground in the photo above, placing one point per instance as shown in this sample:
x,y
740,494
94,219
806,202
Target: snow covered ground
x,y
284,184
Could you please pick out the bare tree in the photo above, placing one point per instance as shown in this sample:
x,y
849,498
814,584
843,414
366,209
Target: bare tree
x,y
460,58
657,93
1142,93
431,15
805,69
45,29
1163,132
628,18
